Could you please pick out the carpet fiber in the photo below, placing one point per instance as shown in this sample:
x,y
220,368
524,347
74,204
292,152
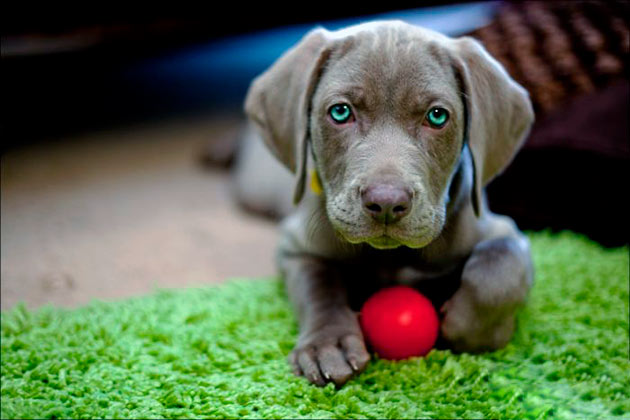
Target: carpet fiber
x,y
220,352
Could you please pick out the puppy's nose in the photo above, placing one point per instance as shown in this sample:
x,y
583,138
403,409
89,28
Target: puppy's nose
x,y
386,203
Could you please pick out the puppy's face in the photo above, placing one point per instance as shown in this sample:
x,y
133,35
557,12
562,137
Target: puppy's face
x,y
387,122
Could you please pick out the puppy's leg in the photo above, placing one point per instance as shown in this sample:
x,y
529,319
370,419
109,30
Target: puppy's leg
x,y
330,346
495,282
260,183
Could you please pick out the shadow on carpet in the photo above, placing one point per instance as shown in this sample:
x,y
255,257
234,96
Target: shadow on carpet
x,y
219,352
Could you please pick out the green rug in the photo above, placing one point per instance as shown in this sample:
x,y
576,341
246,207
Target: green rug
x,y
220,352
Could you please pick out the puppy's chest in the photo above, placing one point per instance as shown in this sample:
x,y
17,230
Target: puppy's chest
x,y
436,281
406,275
404,266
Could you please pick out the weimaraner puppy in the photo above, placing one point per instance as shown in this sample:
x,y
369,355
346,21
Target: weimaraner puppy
x,y
398,129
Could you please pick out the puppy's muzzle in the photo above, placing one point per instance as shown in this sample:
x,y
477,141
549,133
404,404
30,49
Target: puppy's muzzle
x,y
386,203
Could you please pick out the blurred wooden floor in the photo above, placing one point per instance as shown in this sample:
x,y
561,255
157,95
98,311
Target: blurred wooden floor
x,y
119,213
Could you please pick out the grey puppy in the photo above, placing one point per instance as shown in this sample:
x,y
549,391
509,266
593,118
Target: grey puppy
x,y
404,127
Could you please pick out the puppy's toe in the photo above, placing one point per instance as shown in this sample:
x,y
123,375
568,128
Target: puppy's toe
x,y
293,362
333,365
355,351
308,365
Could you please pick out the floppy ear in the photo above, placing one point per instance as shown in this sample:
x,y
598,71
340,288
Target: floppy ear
x,y
278,102
499,113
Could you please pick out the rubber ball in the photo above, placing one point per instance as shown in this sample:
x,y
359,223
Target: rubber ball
x,y
399,322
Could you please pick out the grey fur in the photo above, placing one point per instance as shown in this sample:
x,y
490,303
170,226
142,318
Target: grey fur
x,y
475,265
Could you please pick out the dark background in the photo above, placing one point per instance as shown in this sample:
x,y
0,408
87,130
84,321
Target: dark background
x,y
69,69
72,68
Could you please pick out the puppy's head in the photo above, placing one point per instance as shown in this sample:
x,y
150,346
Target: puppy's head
x,y
387,109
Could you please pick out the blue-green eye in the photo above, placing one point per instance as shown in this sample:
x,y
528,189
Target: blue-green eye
x,y
340,113
437,117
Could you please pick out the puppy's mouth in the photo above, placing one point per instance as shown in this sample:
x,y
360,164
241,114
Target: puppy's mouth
x,y
378,242
363,230
388,237
387,240
384,242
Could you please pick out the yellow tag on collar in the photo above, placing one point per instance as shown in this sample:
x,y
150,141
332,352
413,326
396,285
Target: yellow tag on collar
x,y
316,187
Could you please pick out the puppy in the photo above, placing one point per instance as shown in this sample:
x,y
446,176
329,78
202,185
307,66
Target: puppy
x,y
398,129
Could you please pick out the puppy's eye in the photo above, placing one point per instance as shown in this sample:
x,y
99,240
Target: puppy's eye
x,y
437,117
340,113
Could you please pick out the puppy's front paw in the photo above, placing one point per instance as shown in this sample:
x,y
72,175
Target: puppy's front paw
x,y
329,356
472,328
495,281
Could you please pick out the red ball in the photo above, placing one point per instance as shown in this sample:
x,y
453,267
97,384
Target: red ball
x,y
399,322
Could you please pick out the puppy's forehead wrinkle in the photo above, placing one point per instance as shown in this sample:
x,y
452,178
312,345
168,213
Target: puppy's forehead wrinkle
x,y
439,54
390,69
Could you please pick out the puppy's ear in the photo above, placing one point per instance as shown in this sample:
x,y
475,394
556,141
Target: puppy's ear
x,y
499,113
278,102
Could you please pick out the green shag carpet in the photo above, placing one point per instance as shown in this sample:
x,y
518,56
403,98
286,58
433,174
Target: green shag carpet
x,y
220,352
